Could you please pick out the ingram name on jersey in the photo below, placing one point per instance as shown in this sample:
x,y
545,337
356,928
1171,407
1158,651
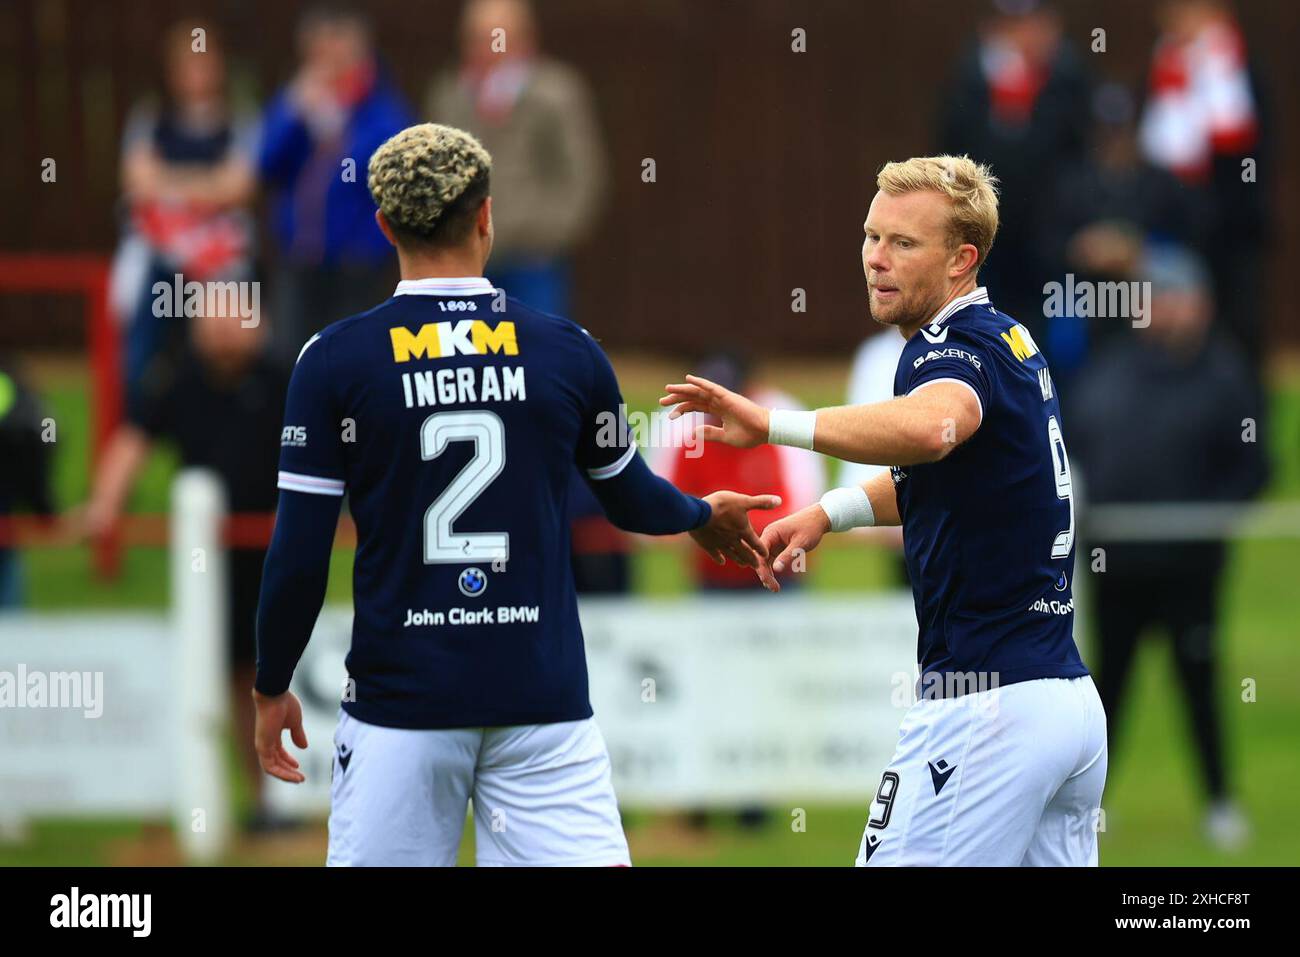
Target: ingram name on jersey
x,y
989,530
454,428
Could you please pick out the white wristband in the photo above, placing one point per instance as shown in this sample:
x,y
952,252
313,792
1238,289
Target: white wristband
x,y
785,427
848,508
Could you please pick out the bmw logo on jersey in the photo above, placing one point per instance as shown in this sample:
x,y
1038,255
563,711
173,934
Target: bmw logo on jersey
x,y
473,582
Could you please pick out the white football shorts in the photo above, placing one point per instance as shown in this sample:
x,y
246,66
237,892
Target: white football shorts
x,y
542,796
1010,776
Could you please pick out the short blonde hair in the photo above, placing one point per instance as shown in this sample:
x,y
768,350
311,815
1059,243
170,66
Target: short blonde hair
x,y
971,186
420,174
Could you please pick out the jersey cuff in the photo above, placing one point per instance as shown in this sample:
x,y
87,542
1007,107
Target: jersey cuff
x,y
978,400
609,471
312,484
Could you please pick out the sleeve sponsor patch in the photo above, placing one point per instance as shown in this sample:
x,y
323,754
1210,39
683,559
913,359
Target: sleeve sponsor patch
x,y
950,352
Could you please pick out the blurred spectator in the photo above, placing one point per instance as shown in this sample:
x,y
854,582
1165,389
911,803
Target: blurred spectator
x,y
797,475
871,379
1016,102
25,478
317,138
1103,208
535,117
1161,416
1204,116
187,177
220,402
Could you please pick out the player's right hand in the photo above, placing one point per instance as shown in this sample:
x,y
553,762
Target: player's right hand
x,y
728,534
745,423
274,716
786,539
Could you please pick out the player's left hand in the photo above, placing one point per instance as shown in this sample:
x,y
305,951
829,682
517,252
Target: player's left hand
x,y
744,423
274,716
786,539
728,534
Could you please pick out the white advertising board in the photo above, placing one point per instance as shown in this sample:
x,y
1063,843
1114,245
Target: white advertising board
x,y
87,715
707,700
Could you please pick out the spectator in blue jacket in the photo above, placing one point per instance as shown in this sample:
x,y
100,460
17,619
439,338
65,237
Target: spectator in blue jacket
x,y
318,135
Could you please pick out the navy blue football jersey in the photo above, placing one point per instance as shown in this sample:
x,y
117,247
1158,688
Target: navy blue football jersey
x,y
989,530
453,416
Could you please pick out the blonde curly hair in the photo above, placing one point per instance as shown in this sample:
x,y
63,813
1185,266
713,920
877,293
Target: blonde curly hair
x,y
426,174
971,186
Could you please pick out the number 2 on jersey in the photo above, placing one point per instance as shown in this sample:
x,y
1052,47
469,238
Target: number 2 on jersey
x,y
1064,486
488,433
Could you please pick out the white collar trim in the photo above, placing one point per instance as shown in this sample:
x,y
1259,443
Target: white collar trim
x,y
440,286
976,296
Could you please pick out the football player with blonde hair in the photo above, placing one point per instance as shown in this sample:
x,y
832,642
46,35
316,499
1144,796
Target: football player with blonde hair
x,y
1002,759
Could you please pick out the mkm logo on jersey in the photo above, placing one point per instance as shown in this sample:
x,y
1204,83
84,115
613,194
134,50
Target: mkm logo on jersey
x,y
1021,342
467,337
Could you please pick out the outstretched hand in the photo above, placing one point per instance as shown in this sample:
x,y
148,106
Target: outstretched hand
x,y
728,534
744,423
788,540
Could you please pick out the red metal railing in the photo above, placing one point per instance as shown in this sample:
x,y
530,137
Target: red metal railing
x,y
85,275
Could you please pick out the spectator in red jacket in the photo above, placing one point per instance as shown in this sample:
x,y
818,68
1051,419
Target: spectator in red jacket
x,y
796,475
